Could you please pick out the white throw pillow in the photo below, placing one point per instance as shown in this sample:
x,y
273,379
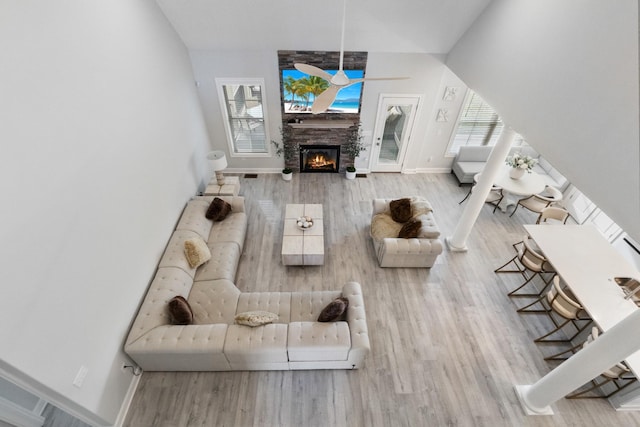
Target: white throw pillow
x,y
196,251
255,318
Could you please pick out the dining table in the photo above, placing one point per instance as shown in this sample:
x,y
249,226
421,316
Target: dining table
x,y
588,264
529,184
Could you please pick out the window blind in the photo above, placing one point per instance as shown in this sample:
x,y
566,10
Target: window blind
x,y
479,124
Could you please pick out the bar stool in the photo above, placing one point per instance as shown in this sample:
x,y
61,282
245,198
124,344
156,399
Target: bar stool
x,y
619,376
529,263
553,215
563,303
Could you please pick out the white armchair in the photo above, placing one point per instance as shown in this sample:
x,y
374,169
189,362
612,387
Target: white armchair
x,y
393,251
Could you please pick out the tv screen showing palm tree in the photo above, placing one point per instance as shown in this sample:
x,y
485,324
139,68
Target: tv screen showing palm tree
x,y
299,90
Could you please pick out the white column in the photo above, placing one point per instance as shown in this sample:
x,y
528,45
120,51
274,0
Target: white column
x,y
458,242
611,347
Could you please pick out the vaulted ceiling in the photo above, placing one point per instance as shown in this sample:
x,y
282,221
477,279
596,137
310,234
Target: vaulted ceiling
x,y
426,26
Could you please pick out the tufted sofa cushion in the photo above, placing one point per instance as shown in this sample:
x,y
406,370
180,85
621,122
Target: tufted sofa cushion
x,y
214,301
181,348
223,263
310,341
273,302
232,229
193,219
307,306
174,253
262,347
167,283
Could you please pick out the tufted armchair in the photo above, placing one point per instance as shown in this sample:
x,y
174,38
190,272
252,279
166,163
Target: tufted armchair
x,y
392,251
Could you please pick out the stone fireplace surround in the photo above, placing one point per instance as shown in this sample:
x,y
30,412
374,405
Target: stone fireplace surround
x,y
324,132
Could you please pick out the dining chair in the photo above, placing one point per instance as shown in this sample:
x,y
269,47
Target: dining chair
x,y
494,197
537,202
619,375
561,302
529,262
553,215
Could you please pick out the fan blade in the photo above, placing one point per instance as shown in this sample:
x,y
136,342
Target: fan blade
x,y
354,81
325,99
313,71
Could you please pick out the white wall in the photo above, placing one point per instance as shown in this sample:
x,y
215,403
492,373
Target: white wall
x,y
564,74
102,144
426,74
210,65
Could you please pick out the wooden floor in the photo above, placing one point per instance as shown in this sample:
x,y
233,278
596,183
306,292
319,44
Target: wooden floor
x,y
447,346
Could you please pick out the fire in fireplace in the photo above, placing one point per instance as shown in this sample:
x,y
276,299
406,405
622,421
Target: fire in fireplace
x,y
319,158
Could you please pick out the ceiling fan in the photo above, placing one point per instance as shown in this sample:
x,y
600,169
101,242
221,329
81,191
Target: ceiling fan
x,y
338,81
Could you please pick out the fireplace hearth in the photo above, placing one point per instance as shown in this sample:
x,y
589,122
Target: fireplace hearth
x,y
320,158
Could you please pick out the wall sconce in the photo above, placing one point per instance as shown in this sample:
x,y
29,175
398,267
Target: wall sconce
x,y
219,163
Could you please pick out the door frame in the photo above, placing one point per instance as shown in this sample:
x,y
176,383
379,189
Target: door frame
x,y
379,128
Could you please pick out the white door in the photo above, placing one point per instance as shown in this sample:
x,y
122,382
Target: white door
x,y
392,131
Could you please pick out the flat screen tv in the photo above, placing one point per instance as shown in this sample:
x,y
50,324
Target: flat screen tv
x,y
298,92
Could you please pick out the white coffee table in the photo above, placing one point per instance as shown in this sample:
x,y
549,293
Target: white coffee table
x,y
303,247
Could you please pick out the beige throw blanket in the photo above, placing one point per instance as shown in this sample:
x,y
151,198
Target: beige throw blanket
x,y
382,225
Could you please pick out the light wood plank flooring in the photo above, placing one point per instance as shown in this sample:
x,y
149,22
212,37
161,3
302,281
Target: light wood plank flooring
x,y
447,345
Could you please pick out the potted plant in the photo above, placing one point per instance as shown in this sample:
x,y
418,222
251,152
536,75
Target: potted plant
x,y
520,164
288,150
352,149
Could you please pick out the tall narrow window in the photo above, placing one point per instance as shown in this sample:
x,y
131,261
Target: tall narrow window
x,y
478,124
242,103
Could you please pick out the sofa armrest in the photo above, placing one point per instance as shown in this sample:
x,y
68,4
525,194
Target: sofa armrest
x,y
236,202
357,319
181,348
379,206
391,245
396,252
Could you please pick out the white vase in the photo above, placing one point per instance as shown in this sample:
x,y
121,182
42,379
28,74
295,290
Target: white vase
x,y
287,176
350,175
516,173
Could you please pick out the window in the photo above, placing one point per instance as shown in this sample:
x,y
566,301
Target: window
x,y
478,124
242,103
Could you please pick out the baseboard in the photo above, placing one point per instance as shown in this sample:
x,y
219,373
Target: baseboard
x,y
433,170
240,171
126,404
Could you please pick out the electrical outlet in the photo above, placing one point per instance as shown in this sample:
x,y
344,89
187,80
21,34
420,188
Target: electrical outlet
x,y
80,376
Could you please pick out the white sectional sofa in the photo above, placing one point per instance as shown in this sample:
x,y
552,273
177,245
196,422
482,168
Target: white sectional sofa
x,y
213,342
471,160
